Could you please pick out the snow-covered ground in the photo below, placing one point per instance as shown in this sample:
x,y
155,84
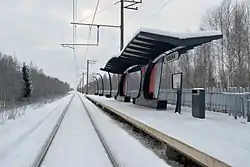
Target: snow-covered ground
x,y
18,111
21,139
218,135
128,151
76,142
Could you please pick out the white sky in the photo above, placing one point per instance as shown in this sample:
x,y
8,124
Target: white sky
x,y
33,30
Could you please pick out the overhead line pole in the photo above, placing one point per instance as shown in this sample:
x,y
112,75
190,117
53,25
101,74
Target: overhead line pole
x,y
87,85
122,25
122,7
82,82
121,37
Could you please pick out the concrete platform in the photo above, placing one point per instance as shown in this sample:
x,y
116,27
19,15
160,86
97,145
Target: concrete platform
x,y
216,141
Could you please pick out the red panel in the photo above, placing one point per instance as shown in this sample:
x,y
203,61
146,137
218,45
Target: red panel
x,y
152,80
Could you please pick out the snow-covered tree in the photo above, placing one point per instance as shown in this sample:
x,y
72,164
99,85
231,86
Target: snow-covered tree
x,y
26,81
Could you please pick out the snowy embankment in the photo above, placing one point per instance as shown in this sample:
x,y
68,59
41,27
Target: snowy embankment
x,y
21,139
15,111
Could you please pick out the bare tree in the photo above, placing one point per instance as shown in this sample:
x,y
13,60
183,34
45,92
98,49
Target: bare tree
x,y
232,52
185,65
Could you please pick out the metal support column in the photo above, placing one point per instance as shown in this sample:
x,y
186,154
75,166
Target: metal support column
x,y
82,83
122,25
87,85
97,86
110,86
102,84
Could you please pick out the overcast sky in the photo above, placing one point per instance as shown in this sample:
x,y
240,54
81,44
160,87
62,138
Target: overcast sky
x,y
33,30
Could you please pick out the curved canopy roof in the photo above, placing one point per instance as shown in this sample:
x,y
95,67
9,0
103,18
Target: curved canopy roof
x,y
148,44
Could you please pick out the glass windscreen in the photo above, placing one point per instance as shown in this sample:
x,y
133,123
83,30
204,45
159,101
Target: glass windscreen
x,y
133,83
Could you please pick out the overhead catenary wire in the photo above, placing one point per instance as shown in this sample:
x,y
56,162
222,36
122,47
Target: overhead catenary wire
x,y
74,13
74,29
134,14
152,14
96,11
162,7
90,28
158,10
100,11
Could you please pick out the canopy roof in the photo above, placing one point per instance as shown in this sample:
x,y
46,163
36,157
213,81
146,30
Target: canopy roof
x,y
147,44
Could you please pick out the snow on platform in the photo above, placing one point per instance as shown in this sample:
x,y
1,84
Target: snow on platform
x,y
128,151
76,142
219,135
21,139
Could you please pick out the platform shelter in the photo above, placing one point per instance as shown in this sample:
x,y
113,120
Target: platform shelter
x,y
146,52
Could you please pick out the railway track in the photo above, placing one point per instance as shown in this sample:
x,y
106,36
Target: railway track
x,y
44,150
111,156
170,155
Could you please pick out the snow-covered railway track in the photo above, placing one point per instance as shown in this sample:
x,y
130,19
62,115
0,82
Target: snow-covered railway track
x,y
110,155
43,152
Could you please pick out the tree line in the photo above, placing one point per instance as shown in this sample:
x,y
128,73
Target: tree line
x,y
19,82
222,63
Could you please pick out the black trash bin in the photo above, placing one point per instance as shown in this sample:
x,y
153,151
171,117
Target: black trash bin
x,y
198,103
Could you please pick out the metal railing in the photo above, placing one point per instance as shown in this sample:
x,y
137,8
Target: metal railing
x,y
234,101
224,101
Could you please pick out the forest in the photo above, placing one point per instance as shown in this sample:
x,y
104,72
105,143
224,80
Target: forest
x,y
13,87
223,63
